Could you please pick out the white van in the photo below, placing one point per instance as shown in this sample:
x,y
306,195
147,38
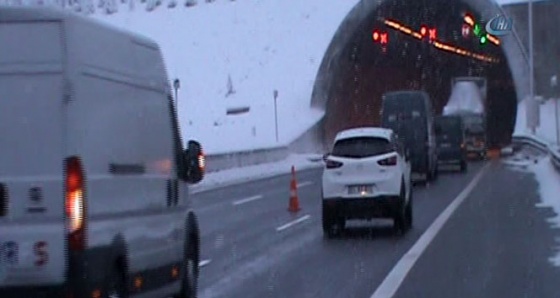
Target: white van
x,y
93,177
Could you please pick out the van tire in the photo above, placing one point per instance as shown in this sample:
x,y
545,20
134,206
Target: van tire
x,y
399,217
463,165
189,279
409,212
116,282
429,172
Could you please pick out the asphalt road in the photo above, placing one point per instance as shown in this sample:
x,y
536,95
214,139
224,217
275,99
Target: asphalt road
x,y
496,244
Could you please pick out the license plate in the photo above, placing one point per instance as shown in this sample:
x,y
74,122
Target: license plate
x,y
360,189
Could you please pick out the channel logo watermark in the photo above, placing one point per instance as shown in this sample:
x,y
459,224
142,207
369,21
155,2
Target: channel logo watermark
x,y
499,25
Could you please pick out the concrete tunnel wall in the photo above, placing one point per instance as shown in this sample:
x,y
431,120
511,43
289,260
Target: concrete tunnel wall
x,y
546,45
334,59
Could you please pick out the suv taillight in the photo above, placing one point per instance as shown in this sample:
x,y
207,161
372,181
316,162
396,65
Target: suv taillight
x,y
75,204
331,164
391,161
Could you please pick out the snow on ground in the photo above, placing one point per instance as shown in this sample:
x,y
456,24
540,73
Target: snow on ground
x,y
240,175
549,188
547,129
262,45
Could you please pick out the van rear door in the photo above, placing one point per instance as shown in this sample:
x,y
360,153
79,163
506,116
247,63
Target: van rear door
x,y
32,224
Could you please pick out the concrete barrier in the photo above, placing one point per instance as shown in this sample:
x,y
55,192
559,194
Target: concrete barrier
x,y
308,142
217,162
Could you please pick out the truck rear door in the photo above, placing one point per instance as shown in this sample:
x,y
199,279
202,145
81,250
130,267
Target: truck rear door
x,y
32,224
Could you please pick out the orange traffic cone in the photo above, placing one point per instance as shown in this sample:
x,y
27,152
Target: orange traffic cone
x,y
294,201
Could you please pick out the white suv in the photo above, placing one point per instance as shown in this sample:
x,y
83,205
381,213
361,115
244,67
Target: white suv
x,y
366,176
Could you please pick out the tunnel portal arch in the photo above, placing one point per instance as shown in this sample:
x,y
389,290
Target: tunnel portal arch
x,y
337,72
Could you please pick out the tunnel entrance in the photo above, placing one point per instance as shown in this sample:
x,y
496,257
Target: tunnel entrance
x,y
366,69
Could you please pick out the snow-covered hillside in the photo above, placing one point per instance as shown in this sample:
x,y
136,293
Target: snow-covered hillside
x,y
263,45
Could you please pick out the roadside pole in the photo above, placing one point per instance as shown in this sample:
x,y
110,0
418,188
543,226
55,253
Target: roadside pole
x,y
556,98
275,94
531,60
557,124
176,86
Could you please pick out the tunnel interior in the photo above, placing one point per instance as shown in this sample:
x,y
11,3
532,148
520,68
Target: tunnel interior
x,y
368,69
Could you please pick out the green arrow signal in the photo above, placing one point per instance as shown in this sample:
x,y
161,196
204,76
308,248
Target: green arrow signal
x,y
477,30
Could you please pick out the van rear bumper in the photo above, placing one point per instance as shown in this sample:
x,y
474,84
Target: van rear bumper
x,y
54,291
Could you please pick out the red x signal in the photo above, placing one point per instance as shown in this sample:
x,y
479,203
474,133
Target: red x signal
x,y
433,33
384,38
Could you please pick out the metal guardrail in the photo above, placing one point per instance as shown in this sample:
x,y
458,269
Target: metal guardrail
x,y
224,161
553,151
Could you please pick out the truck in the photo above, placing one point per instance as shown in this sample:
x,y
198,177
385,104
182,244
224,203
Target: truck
x,y
468,100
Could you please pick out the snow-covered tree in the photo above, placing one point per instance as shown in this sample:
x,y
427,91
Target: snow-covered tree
x,y
190,3
151,5
108,6
172,3
230,89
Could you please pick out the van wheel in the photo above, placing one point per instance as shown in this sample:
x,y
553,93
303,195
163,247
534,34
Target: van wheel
x,y
189,280
429,172
463,165
408,211
116,285
399,218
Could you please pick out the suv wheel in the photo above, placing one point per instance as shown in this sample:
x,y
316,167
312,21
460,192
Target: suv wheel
x,y
332,225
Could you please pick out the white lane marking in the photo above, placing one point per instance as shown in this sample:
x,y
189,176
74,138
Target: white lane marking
x,y
392,282
305,183
247,200
204,263
294,222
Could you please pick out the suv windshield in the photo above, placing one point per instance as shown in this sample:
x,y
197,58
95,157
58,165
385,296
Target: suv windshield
x,y
361,147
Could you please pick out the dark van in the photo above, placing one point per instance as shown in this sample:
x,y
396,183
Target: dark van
x,y
410,115
450,138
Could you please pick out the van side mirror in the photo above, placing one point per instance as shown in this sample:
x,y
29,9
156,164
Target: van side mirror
x,y
325,156
194,163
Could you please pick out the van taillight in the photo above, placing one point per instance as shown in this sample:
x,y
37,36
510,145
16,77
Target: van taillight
x,y
331,164
3,200
391,161
75,204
